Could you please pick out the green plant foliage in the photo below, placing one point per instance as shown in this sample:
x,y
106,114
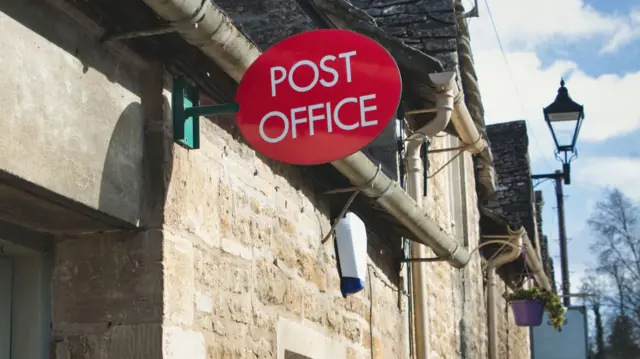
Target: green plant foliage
x,y
551,301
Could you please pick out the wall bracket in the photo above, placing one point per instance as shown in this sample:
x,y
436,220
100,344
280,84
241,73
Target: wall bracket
x,y
423,260
185,102
136,34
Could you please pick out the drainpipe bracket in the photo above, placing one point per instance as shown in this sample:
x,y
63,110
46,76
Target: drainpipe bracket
x,y
451,256
111,36
363,187
355,191
423,260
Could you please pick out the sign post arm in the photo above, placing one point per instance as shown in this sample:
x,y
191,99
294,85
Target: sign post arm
x,y
211,110
187,111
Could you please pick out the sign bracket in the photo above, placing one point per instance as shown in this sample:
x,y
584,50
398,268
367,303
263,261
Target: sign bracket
x,y
185,102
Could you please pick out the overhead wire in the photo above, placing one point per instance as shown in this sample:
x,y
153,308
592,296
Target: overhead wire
x,y
515,87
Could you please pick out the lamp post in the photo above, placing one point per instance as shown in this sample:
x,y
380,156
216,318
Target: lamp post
x,y
564,118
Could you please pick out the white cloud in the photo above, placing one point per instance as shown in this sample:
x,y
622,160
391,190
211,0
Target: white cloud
x,y
526,24
626,33
610,100
606,172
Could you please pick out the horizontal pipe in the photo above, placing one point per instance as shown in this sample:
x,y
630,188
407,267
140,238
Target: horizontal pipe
x,y
466,128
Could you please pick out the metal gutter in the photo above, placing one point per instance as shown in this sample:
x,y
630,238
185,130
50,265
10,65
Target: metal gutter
x,y
362,172
203,25
533,261
535,265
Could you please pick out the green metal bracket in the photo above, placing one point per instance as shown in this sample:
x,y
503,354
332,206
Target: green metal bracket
x,y
185,102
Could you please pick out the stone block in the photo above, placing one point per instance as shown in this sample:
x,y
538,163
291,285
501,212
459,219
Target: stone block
x,y
179,343
179,280
143,341
115,278
272,286
225,349
215,270
140,341
306,340
194,197
77,347
293,298
352,329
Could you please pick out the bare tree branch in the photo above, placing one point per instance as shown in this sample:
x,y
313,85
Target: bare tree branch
x,y
615,224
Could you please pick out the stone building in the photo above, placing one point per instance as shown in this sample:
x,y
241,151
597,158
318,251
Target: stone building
x,y
115,242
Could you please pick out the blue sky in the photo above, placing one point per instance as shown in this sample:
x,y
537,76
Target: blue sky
x,y
595,45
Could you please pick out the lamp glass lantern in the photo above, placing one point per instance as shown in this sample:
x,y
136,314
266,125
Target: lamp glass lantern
x,y
564,118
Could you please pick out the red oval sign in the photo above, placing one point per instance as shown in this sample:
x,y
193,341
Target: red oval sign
x,y
318,96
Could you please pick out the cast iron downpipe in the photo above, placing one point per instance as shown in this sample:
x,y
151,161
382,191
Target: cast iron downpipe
x,y
415,175
203,25
516,244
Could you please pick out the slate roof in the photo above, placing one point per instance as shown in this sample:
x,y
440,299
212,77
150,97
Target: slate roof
x,y
269,21
427,25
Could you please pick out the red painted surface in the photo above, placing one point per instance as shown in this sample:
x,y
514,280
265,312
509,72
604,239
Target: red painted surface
x,y
318,96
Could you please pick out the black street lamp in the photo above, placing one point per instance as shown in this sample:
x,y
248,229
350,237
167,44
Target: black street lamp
x,y
564,118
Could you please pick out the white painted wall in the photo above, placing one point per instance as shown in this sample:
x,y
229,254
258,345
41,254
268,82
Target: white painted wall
x,y
70,111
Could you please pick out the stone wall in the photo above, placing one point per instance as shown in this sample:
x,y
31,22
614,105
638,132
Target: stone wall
x,y
237,270
231,265
547,261
107,296
244,245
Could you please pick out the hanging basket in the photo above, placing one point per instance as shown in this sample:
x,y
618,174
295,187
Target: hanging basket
x,y
527,313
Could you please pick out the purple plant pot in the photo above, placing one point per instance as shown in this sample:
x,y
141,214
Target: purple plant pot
x,y
527,313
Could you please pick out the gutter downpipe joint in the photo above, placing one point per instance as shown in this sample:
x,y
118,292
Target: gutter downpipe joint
x,y
515,242
415,170
466,128
535,267
203,25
